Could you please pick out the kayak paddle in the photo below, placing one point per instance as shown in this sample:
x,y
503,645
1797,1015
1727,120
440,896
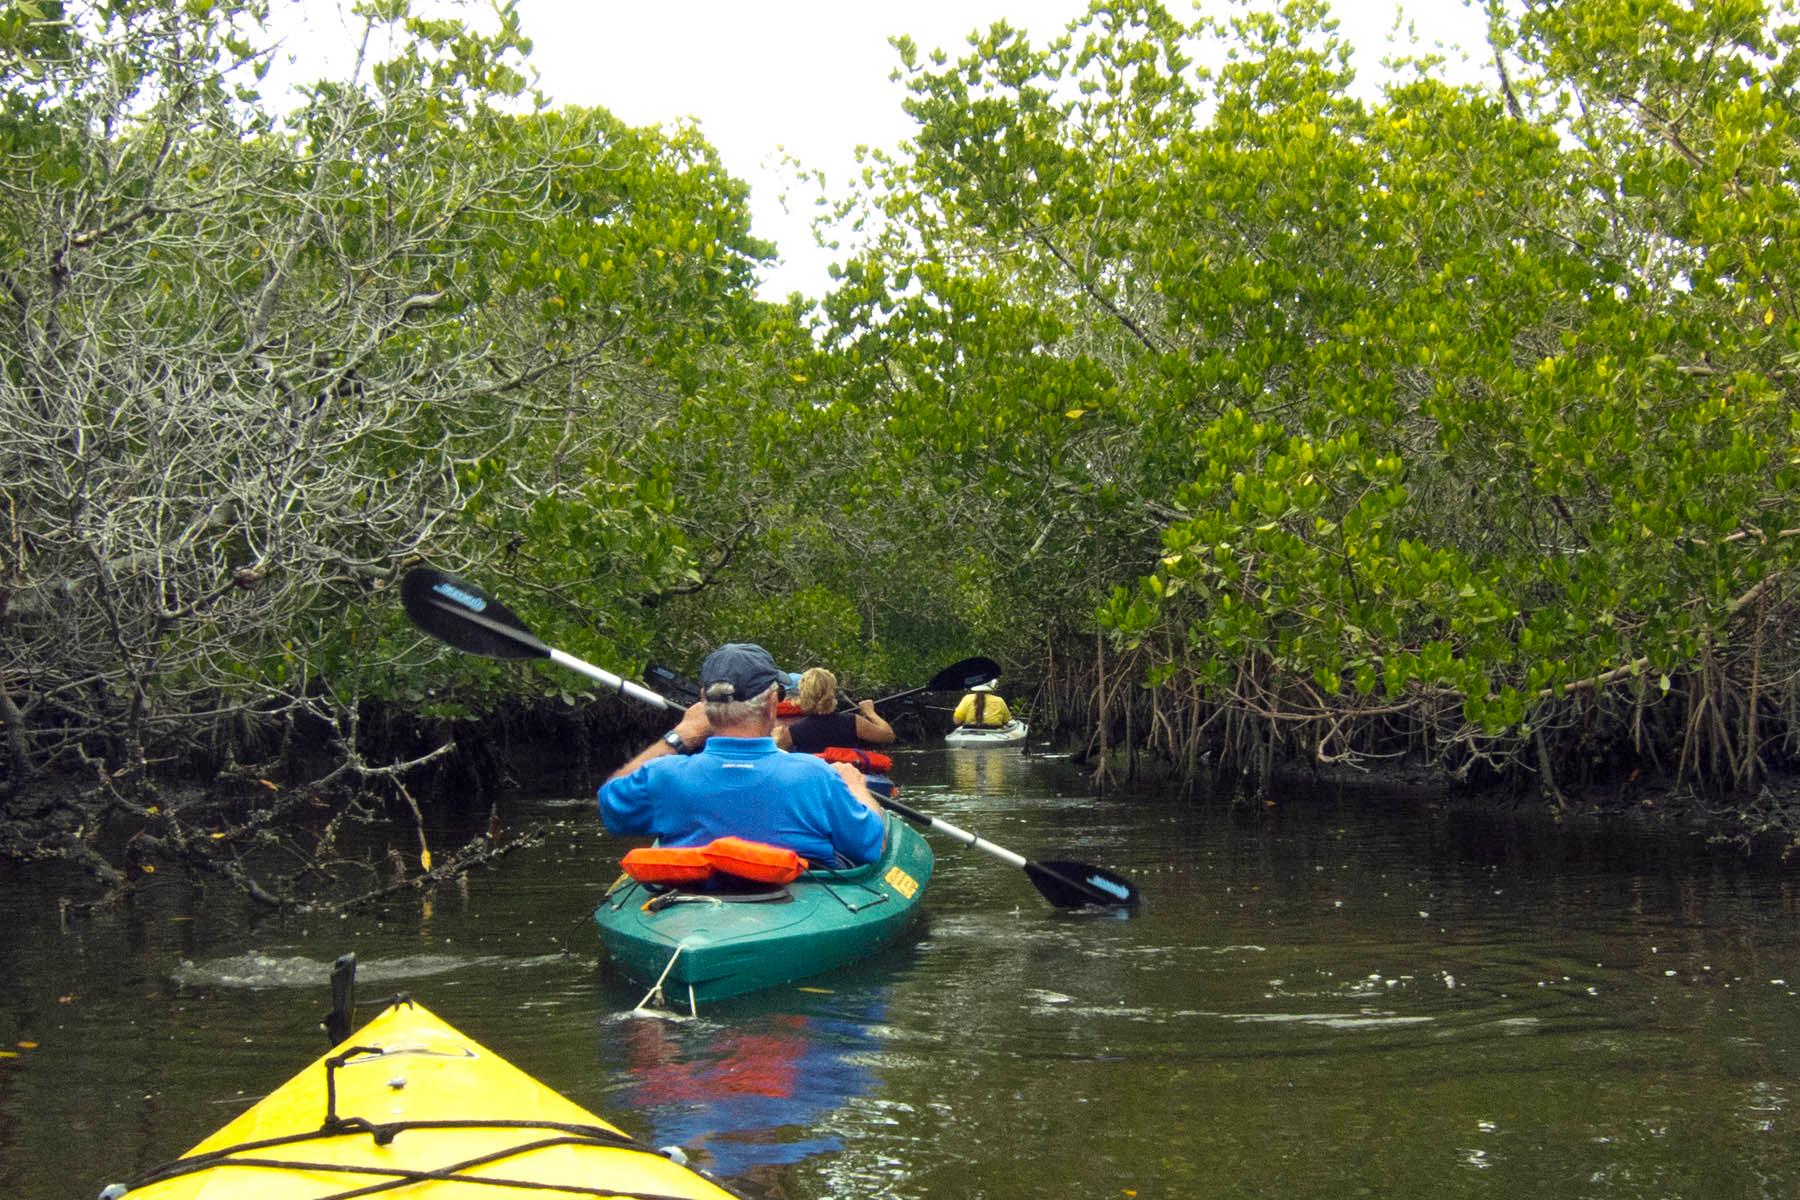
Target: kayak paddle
x,y
457,612
462,615
1065,884
958,675
671,683
964,673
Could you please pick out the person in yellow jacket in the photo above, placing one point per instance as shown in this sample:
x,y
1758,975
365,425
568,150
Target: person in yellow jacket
x,y
981,707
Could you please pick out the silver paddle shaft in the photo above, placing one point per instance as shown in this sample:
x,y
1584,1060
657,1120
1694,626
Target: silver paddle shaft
x,y
979,843
623,686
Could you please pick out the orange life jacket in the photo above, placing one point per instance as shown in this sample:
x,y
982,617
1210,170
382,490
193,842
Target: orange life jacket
x,y
668,864
869,762
789,708
755,861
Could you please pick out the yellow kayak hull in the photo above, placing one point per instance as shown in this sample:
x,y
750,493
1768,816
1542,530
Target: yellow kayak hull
x,y
408,1107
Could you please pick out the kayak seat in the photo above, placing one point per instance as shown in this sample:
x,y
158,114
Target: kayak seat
x,y
723,891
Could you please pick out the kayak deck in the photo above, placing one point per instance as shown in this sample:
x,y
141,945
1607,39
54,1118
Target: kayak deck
x,y
993,735
409,1107
692,946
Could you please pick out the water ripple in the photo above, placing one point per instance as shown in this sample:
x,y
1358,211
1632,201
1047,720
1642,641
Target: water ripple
x,y
258,970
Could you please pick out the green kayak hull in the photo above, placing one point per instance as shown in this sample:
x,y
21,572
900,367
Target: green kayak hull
x,y
699,946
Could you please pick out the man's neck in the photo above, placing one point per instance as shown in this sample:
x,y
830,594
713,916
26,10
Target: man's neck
x,y
753,730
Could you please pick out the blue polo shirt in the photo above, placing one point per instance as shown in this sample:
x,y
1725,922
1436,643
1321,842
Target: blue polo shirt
x,y
748,788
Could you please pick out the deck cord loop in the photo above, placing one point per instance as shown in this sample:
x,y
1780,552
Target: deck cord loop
x,y
568,1135
656,989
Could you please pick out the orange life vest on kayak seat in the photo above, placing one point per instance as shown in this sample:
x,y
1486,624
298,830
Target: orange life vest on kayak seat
x,y
754,860
674,865
869,762
668,864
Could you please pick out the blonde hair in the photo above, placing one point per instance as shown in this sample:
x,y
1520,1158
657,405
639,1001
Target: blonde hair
x,y
817,692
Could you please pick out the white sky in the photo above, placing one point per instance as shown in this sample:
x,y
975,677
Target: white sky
x,y
809,78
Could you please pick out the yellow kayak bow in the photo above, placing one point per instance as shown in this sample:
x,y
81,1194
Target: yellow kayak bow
x,y
407,1107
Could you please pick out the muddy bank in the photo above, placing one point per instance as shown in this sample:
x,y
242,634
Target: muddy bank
x,y
326,827
1762,825
413,802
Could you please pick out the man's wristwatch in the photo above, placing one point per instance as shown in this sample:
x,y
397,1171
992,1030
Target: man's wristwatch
x,y
673,741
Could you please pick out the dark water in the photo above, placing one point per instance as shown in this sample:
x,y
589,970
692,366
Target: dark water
x,y
1341,999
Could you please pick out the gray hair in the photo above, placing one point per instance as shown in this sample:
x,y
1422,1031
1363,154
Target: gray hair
x,y
737,712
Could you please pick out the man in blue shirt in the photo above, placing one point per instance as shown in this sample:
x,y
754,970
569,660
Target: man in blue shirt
x,y
719,773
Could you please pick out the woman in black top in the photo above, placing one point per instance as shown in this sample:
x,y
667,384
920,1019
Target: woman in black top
x,y
823,726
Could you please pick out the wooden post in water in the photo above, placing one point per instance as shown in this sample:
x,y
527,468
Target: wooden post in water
x,y
342,1018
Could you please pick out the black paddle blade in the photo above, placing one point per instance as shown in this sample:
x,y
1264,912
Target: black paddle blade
x,y
1078,885
964,674
671,683
457,612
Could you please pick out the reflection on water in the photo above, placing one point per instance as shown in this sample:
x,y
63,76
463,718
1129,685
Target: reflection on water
x,y
753,1091
1339,996
983,770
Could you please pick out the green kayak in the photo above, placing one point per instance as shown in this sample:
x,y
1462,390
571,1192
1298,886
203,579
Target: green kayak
x,y
689,946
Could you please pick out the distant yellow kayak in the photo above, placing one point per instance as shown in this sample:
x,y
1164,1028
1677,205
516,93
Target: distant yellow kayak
x,y
407,1107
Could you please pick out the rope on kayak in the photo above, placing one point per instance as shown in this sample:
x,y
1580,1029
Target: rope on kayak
x,y
656,989
334,1123
873,896
572,1135
383,1133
